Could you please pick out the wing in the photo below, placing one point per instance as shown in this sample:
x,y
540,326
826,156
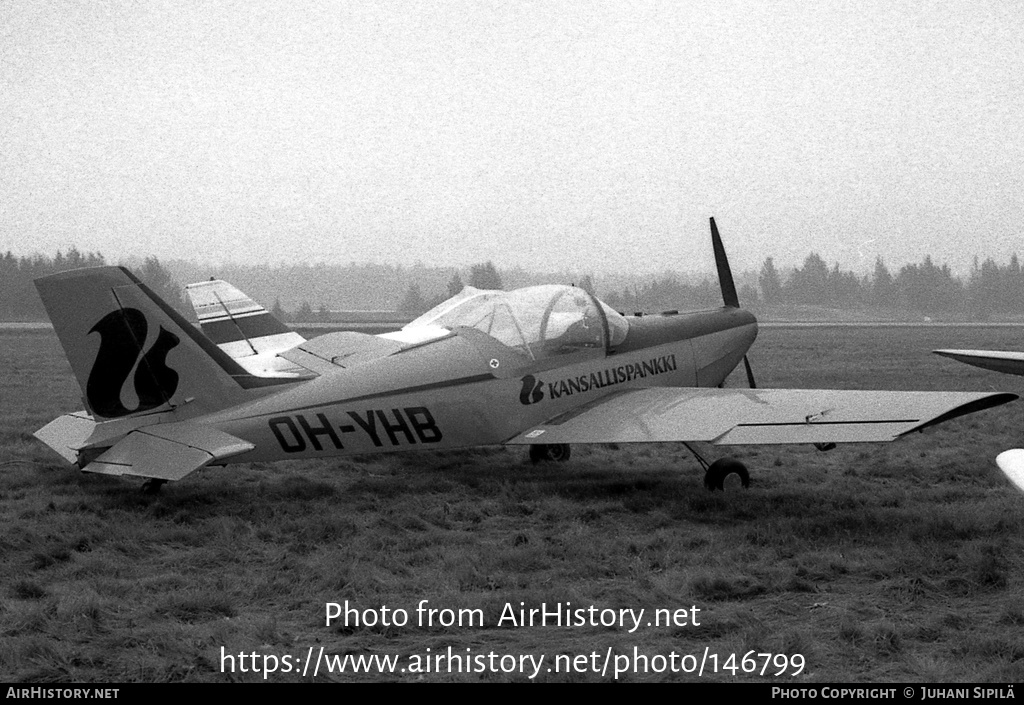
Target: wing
x,y
1009,362
756,416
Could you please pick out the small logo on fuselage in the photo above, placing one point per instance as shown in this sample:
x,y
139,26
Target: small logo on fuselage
x,y
532,391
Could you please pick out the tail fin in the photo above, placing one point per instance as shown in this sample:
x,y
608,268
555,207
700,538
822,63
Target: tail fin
x,y
132,353
244,330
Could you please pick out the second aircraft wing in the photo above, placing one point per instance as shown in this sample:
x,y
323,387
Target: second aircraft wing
x,y
997,360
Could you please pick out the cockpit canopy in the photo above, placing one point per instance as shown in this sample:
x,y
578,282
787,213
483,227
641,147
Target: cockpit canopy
x,y
539,321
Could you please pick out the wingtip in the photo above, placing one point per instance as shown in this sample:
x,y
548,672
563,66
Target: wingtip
x,y
1011,462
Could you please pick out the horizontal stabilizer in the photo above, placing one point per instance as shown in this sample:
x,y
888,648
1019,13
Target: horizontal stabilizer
x,y
226,314
1011,363
244,329
756,416
168,451
67,434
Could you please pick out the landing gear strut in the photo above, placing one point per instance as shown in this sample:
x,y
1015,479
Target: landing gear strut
x,y
716,472
541,452
152,486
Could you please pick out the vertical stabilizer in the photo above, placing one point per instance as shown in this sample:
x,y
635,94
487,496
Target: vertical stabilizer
x,y
132,353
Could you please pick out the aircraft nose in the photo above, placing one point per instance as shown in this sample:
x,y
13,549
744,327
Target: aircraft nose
x,y
717,354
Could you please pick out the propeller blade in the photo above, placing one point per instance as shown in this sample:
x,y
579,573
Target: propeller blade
x,y
725,280
750,373
724,273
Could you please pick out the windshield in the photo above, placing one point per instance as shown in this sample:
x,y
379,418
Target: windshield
x,y
540,321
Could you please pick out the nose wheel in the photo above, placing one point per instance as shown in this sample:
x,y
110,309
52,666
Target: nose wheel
x,y
716,472
714,478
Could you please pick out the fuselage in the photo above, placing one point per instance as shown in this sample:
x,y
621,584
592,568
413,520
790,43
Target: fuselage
x,y
468,389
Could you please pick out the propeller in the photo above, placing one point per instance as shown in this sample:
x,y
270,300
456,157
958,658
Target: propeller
x,y
725,280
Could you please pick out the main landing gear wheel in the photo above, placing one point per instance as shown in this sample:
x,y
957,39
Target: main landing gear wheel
x,y
152,486
542,452
714,478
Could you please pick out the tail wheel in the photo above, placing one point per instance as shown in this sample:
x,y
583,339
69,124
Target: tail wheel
x,y
543,452
714,478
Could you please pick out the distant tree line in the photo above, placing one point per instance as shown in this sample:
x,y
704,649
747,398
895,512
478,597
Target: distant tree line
x,y
481,276
919,288
916,289
19,300
989,289
668,293
413,303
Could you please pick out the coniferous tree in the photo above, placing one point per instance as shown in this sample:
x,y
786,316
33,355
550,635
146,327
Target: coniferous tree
x,y
983,289
883,289
844,289
304,314
926,288
413,302
278,312
485,276
771,283
809,284
749,296
160,281
1014,286
455,285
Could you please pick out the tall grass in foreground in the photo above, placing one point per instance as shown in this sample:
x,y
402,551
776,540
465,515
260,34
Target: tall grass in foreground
x,y
876,563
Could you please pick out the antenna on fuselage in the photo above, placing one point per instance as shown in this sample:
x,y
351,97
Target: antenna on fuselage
x,y
725,280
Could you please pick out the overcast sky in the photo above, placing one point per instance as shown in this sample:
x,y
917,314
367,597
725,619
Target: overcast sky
x,y
549,135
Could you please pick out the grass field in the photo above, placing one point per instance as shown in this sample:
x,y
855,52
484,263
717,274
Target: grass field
x,y
875,563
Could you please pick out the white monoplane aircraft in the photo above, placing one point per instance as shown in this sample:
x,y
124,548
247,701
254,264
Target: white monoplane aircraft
x,y
544,366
